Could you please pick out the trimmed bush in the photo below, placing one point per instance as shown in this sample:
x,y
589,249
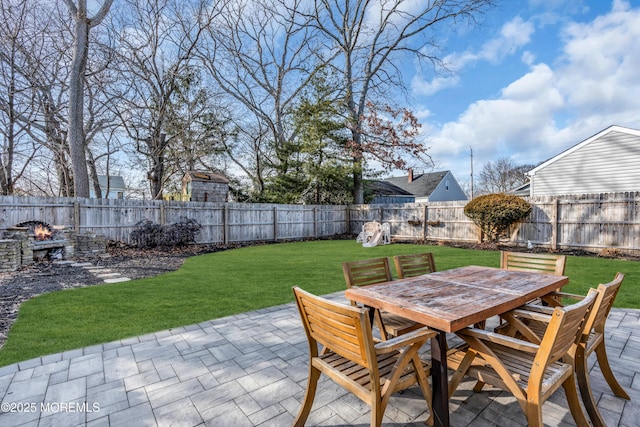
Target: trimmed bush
x,y
495,213
148,234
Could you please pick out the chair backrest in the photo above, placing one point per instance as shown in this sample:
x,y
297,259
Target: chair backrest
x,y
414,264
539,263
604,302
367,272
344,329
564,330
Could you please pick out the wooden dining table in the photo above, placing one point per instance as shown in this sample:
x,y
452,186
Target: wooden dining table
x,y
451,300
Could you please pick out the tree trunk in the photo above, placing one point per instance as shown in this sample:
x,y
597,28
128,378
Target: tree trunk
x,y
156,146
93,173
358,161
76,111
358,185
76,136
155,177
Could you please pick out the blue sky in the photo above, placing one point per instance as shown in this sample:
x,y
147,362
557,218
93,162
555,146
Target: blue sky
x,y
535,78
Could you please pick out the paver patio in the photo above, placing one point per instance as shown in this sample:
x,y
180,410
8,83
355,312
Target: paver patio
x,y
250,370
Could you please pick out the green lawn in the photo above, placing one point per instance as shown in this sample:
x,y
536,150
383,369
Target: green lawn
x,y
235,281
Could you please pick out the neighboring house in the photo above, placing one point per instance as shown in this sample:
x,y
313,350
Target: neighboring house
x,y
422,188
608,162
204,187
522,190
115,187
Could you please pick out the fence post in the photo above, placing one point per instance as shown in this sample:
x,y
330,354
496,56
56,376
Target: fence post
x,y
76,216
554,224
225,225
348,218
315,222
275,223
425,218
163,214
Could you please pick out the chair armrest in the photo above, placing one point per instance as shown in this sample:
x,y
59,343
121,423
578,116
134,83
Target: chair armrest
x,y
404,340
543,309
533,314
567,295
495,338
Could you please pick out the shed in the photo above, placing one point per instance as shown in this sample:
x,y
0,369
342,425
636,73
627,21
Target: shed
x,y
112,187
607,162
420,188
205,187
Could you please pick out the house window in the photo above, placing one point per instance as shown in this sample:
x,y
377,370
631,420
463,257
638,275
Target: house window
x,y
120,195
446,185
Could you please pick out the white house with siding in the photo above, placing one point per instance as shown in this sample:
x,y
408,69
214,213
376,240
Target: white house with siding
x,y
607,162
112,187
417,188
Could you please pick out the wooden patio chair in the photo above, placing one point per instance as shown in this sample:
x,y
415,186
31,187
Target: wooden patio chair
x,y
538,263
414,264
531,321
531,372
372,272
350,357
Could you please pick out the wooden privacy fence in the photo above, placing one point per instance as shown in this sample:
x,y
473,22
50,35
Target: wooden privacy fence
x,y
221,222
589,222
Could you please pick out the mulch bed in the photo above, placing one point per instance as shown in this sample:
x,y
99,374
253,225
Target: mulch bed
x,y
47,276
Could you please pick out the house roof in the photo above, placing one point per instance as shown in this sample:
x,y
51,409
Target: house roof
x,y
522,190
115,181
422,185
384,188
206,177
613,128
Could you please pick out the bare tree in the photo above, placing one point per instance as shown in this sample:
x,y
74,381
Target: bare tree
x,y
155,46
260,54
199,124
35,58
76,136
15,111
367,38
502,176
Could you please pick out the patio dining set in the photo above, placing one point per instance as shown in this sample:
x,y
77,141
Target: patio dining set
x,y
542,341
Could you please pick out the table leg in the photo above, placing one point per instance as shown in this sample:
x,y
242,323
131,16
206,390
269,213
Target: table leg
x,y
439,379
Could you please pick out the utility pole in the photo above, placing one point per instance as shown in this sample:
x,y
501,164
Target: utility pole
x,y
471,171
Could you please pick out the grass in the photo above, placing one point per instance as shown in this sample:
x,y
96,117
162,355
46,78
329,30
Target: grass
x,y
235,281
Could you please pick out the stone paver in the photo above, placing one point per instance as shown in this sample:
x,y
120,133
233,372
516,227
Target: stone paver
x,y
251,370
117,280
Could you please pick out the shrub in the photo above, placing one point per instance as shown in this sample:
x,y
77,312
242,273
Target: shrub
x,y
495,213
148,234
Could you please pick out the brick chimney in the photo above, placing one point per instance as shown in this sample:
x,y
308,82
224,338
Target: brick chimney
x,y
410,178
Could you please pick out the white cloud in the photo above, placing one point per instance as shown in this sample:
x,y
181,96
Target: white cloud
x,y
513,35
528,58
594,84
601,61
422,87
522,114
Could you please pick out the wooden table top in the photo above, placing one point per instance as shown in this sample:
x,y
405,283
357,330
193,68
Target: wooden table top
x,y
450,300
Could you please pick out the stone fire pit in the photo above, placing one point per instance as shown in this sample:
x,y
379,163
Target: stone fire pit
x,y
34,240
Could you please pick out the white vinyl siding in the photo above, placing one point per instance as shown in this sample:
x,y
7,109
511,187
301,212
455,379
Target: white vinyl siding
x,y
609,163
448,189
